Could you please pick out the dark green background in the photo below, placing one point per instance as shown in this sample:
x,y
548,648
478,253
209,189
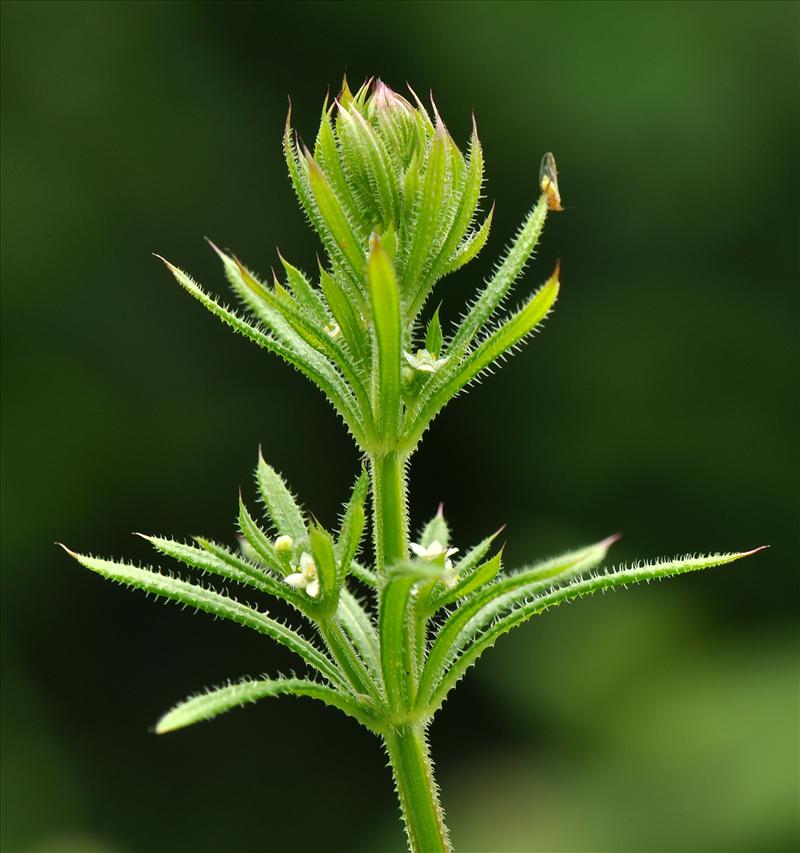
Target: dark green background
x,y
661,401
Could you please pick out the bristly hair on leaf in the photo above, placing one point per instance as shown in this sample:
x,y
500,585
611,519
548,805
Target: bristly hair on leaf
x,y
387,631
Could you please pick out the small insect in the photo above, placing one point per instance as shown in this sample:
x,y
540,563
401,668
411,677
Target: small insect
x,y
548,181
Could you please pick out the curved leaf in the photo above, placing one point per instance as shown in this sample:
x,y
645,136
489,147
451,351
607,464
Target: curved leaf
x,y
206,706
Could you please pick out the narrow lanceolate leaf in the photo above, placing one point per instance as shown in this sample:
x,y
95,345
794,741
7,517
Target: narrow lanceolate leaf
x,y
429,212
385,303
281,505
453,379
362,632
258,539
307,337
305,294
482,575
215,603
499,285
468,193
323,378
474,646
521,584
363,574
211,704
298,177
324,559
395,627
348,318
436,530
472,245
209,558
433,335
326,153
335,219
352,527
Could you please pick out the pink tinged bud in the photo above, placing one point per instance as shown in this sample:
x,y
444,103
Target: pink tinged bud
x,y
385,99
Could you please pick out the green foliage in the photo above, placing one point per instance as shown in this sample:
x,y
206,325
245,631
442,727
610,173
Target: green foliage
x,y
395,205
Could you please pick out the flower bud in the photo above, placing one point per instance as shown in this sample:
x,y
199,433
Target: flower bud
x,y
284,544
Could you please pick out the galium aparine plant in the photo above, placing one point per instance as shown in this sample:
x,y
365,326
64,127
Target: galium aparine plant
x,y
395,203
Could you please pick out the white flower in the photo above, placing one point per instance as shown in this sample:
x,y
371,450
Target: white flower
x,y
433,552
437,553
424,361
284,543
306,577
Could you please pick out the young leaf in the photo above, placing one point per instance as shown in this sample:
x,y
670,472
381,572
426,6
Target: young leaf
x,y
206,706
359,627
337,224
258,540
521,585
352,527
282,508
397,645
324,560
321,376
453,379
385,302
436,530
208,558
433,336
304,293
347,317
502,281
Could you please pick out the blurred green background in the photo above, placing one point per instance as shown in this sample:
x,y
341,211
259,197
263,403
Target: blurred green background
x,y
660,401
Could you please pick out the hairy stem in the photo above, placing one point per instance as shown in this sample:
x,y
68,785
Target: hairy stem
x,y
389,492
417,790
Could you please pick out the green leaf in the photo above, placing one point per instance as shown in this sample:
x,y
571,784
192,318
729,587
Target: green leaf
x,y
521,585
325,561
346,315
258,540
433,335
430,206
352,527
453,377
326,153
363,574
305,336
470,248
385,302
395,624
473,646
364,150
304,293
336,221
206,706
323,377
475,580
282,508
467,193
359,627
215,560
298,177
502,281
215,603
436,530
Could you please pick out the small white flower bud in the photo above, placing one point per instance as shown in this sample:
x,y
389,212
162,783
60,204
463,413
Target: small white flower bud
x,y
284,544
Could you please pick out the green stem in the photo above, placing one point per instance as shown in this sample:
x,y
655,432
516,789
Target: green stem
x,y
416,788
389,493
